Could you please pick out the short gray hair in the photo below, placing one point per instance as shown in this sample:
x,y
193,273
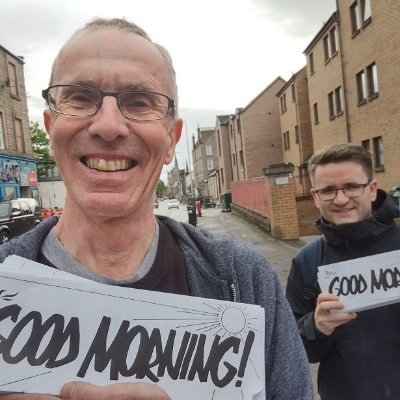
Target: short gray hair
x,y
125,25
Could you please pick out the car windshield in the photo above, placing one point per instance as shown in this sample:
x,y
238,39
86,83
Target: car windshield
x,y
4,209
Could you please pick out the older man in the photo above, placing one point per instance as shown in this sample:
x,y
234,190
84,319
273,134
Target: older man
x,y
113,124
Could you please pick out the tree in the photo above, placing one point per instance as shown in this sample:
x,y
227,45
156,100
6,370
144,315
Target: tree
x,y
161,189
40,147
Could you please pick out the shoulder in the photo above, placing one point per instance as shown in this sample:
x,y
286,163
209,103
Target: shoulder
x,y
28,244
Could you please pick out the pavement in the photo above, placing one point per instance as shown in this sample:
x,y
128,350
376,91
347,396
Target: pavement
x,y
278,252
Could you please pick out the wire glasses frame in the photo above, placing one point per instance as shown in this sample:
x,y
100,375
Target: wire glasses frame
x,y
351,190
84,101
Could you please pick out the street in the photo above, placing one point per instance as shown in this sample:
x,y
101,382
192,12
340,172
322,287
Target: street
x,y
278,253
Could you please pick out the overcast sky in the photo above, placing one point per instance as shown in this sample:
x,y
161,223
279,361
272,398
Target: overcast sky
x,y
225,52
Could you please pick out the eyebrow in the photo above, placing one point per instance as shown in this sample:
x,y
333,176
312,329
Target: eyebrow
x,y
140,86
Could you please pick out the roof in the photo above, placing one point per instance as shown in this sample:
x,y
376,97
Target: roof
x,y
260,94
332,19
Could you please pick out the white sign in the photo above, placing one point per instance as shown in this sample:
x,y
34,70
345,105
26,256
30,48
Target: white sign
x,y
283,180
363,283
56,327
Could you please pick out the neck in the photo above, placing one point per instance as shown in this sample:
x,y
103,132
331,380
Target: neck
x,y
114,247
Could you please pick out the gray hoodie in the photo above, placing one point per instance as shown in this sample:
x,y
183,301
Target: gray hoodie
x,y
221,268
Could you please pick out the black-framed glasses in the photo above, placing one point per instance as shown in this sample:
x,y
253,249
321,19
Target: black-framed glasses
x,y
350,190
84,101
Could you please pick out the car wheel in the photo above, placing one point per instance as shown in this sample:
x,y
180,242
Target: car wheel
x,y
4,237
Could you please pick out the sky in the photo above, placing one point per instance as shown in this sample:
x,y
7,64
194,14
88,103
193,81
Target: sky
x,y
225,52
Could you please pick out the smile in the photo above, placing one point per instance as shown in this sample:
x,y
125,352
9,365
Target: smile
x,y
108,165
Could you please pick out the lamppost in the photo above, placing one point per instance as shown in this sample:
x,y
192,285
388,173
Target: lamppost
x,y
188,153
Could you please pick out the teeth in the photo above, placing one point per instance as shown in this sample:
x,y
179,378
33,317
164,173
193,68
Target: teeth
x,y
104,165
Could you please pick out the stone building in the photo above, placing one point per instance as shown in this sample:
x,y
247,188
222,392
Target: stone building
x,y
18,177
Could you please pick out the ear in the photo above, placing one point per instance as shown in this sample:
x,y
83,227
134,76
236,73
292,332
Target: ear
x,y
174,133
373,187
315,197
47,124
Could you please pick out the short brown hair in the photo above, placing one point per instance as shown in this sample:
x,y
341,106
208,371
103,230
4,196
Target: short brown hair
x,y
338,153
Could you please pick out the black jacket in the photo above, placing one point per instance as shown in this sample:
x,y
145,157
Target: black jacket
x,y
361,359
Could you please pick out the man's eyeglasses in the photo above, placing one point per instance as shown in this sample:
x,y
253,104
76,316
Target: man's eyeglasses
x,y
350,190
83,101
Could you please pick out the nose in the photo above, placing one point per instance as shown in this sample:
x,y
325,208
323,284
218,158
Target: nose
x,y
109,123
340,198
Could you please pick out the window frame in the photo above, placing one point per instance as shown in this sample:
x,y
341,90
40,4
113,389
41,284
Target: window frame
x,y
379,157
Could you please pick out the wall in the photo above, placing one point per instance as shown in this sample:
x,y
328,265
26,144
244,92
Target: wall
x,y
52,194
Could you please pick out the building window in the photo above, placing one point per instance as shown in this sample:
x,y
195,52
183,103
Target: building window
x,y
330,44
286,141
293,93
366,144
283,103
331,103
12,75
326,48
338,101
238,126
316,119
209,149
366,10
372,78
222,176
361,87
333,42
367,83
297,134
311,61
355,18
2,132
219,142
378,152
234,160
241,158
19,135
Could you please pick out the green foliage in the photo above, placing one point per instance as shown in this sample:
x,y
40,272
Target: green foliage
x,y
40,147
161,189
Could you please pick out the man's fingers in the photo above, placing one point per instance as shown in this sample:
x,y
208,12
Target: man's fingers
x,y
117,391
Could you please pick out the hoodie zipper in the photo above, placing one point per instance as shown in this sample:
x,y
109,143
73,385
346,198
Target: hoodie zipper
x,y
232,290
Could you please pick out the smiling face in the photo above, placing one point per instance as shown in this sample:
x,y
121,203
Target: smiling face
x,y
342,209
109,164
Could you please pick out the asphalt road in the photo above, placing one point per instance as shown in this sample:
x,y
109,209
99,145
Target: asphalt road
x,y
277,252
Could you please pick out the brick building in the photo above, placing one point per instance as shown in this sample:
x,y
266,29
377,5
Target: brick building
x,y
223,129
204,155
352,80
18,177
258,138
296,131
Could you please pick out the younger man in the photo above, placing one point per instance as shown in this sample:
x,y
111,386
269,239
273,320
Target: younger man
x,y
359,354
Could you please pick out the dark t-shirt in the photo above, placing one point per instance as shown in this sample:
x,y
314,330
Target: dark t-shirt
x,y
167,274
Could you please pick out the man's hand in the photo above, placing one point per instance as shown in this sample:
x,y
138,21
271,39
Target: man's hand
x,y
86,391
27,396
325,321
116,391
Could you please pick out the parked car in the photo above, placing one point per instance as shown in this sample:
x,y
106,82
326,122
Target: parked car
x,y
16,218
34,206
173,203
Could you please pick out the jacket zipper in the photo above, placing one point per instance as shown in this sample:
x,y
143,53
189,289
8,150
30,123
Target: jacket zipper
x,y
232,290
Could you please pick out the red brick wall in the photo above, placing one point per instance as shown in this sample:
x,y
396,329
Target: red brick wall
x,y
252,195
